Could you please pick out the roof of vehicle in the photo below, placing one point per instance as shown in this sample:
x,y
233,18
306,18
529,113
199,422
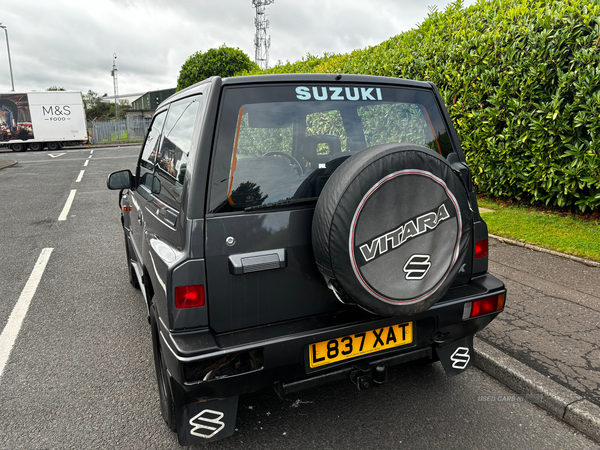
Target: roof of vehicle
x,y
323,77
298,78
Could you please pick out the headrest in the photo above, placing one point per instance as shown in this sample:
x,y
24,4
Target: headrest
x,y
311,144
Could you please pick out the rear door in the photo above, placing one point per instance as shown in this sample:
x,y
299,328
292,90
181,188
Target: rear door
x,y
275,149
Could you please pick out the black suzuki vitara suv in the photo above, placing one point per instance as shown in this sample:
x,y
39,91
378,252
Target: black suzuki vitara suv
x,y
293,230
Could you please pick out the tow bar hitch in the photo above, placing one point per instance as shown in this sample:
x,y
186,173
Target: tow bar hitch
x,y
364,378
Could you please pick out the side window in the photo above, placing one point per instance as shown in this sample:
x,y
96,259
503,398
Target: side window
x,y
175,148
151,145
148,156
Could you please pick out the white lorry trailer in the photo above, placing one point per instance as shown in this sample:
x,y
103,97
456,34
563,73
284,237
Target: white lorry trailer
x,y
35,120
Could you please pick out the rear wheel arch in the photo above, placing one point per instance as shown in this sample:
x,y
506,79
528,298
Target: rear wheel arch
x,y
146,279
149,291
165,392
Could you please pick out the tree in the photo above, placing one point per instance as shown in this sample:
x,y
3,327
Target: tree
x,y
223,61
91,100
96,109
56,88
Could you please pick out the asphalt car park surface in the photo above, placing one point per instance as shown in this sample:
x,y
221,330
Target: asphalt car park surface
x,y
80,373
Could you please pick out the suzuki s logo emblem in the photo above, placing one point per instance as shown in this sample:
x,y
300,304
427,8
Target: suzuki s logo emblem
x,y
208,420
417,267
460,358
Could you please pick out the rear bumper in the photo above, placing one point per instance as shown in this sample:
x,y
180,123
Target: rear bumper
x,y
278,354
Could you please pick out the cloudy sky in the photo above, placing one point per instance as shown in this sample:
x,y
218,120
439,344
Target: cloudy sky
x,y
70,43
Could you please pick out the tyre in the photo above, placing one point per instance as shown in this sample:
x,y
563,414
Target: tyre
x,y
18,147
36,146
392,228
53,145
167,405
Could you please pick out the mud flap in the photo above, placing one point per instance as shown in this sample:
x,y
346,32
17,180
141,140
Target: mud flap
x,y
198,423
457,356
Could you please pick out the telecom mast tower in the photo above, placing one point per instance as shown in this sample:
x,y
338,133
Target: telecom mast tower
x,y
262,42
113,73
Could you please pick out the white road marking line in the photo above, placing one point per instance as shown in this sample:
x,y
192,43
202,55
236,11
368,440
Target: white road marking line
x,y
65,211
133,157
86,163
13,326
55,156
92,152
80,176
89,156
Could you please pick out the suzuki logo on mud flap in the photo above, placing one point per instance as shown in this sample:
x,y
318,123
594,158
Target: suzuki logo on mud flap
x,y
460,358
417,267
204,421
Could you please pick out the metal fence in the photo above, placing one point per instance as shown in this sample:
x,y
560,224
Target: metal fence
x,y
129,130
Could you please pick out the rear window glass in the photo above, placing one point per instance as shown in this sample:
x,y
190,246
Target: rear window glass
x,y
397,122
279,145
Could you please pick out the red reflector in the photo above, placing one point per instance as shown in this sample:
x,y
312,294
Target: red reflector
x,y
481,249
189,296
487,305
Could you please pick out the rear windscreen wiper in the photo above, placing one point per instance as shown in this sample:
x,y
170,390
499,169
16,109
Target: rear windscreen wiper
x,y
292,201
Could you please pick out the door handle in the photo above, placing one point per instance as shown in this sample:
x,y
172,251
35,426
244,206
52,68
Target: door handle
x,y
257,261
167,215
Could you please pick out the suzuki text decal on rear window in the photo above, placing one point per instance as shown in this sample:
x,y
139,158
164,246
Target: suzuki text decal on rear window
x,y
337,93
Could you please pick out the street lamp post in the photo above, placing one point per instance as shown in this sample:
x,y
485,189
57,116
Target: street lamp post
x,y
9,63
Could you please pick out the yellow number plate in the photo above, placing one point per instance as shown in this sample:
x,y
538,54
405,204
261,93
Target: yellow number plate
x,y
371,341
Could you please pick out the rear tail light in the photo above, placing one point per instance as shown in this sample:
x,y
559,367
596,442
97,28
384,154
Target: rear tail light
x,y
483,306
481,249
189,296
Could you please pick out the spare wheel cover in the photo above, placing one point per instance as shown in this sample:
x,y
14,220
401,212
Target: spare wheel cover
x,y
391,229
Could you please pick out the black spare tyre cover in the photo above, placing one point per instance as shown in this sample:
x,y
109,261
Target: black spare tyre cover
x,y
391,229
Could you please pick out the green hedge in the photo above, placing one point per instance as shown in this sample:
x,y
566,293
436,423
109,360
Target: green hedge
x,y
521,80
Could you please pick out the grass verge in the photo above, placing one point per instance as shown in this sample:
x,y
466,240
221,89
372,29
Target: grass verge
x,y
558,231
